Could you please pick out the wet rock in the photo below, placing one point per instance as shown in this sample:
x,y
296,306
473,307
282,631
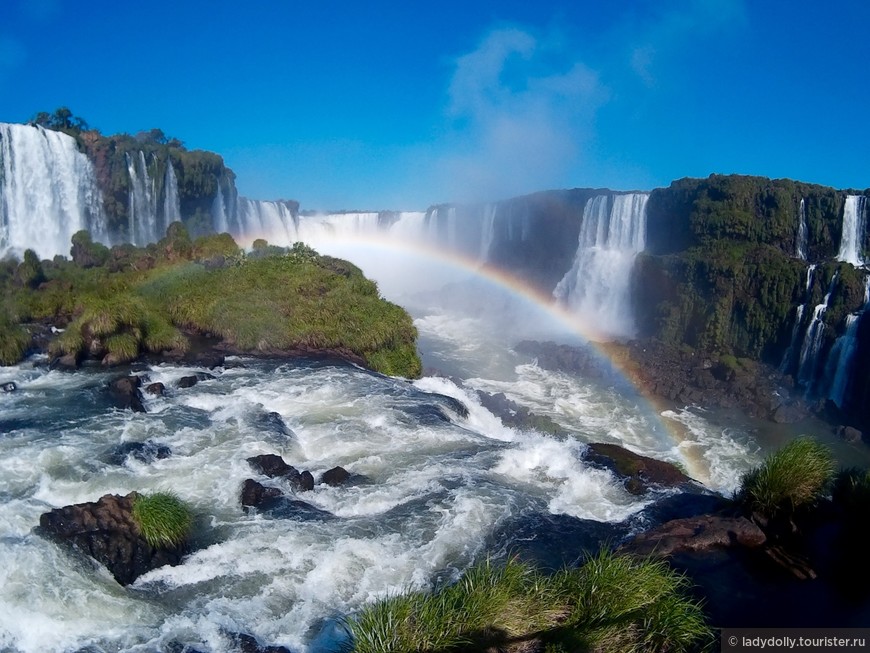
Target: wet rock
x,y
272,465
639,472
125,393
274,423
516,416
67,362
696,534
9,386
157,389
790,413
146,452
187,381
105,530
256,495
247,644
335,476
850,434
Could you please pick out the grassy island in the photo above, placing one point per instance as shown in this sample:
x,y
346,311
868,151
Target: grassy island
x,y
120,303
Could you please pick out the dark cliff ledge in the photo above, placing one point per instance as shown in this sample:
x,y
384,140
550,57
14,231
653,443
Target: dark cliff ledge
x,y
727,265
117,305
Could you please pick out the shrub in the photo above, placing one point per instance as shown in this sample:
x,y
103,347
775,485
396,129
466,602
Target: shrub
x,y
611,604
163,519
794,476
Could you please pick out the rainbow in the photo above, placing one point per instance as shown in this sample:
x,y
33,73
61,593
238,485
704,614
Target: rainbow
x,y
544,303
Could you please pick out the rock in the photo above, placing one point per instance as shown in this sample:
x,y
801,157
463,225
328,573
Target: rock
x,y
125,393
794,564
187,381
274,423
272,465
789,413
105,530
65,362
850,434
257,495
157,389
335,476
638,471
697,534
146,452
9,386
247,644
304,482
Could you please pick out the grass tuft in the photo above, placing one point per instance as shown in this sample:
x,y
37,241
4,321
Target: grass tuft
x,y
163,518
14,341
796,475
613,604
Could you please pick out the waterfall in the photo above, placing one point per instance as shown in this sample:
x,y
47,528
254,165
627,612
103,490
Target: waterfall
x,y
142,202
171,205
799,315
48,191
854,219
487,232
801,242
612,233
842,357
812,343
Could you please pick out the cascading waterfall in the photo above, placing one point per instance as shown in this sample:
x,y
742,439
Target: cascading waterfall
x,y
487,232
171,204
274,220
801,242
854,220
812,343
142,203
48,192
799,316
842,358
613,232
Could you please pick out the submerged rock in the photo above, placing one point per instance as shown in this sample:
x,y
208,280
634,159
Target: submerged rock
x,y
256,495
275,503
146,452
9,386
157,389
106,531
274,466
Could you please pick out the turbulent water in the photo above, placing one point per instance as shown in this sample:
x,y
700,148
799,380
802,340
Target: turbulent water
x,y
430,492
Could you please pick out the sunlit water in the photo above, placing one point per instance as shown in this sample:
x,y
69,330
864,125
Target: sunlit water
x,y
430,486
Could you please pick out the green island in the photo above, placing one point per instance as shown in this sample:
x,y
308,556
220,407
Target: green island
x,y
120,303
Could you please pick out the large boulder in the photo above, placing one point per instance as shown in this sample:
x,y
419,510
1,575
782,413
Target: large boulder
x,y
106,531
639,472
695,534
335,476
274,466
125,393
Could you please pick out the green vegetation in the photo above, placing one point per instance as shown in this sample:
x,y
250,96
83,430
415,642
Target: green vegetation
x,y
797,475
612,603
124,302
14,341
163,519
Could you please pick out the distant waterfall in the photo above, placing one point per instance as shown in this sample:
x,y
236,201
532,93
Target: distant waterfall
x,y
148,216
48,191
842,357
171,205
801,240
812,343
487,232
612,233
142,202
799,315
854,221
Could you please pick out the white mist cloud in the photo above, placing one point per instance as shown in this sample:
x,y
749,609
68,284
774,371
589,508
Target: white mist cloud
x,y
521,108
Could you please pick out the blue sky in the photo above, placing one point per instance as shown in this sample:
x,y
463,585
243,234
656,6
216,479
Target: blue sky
x,y
377,105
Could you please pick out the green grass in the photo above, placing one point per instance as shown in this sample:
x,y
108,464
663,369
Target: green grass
x,y
163,519
796,475
612,604
14,341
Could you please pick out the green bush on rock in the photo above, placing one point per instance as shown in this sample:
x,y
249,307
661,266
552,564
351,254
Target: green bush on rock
x,y
14,341
612,603
163,519
795,476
